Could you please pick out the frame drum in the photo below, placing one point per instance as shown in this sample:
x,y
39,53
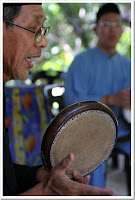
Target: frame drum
x,y
87,129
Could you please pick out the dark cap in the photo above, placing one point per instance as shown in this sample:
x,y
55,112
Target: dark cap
x,y
107,8
18,4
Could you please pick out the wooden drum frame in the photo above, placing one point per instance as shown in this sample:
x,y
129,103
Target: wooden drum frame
x,y
87,129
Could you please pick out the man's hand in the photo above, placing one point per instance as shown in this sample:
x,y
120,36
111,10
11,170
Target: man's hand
x,y
120,99
41,173
57,183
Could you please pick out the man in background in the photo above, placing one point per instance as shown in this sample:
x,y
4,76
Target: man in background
x,y
102,74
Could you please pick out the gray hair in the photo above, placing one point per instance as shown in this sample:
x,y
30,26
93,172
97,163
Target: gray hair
x,y
10,13
12,10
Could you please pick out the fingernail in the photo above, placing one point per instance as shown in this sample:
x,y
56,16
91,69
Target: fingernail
x,y
68,157
88,177
110,192
75,173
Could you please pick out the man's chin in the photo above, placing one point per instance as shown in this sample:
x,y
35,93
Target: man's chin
x,y
22,77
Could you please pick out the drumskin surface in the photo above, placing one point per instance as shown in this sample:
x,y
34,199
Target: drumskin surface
x,y
87,129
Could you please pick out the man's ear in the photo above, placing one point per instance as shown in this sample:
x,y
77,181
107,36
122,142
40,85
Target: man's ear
x,y
122,31
95,30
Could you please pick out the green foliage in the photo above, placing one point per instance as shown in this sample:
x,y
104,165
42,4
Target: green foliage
x,y
71,32
124,45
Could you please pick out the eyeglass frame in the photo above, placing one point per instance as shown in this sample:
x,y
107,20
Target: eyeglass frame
x,y
45,29
110,24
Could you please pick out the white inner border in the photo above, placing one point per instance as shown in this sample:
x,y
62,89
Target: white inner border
x,y
132,100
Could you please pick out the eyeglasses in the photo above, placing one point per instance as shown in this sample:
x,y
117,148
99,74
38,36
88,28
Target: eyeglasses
x,y
109,24
41,32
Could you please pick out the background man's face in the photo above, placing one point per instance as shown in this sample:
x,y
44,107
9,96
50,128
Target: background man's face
x,y
19,44
109,36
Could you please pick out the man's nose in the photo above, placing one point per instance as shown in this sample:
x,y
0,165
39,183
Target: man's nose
x,y
42,43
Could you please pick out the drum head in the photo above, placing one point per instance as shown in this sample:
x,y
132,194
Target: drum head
x,y
87,129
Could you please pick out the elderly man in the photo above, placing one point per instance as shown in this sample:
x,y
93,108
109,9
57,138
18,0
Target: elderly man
x,y
24,36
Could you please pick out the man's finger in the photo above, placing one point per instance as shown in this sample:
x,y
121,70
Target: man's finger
x,y
86,180
101,191
79,178
66,162
77,189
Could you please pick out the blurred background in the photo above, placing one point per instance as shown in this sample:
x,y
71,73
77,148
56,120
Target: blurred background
x,y
40,98
71,32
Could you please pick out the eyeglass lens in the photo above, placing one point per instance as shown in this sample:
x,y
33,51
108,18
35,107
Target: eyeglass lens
x,y
42,31
111,24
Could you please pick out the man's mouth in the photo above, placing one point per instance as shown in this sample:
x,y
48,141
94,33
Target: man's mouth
x,y
113,37
29,63
29,59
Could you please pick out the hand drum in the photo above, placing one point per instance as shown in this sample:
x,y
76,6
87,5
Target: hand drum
x,y
87,129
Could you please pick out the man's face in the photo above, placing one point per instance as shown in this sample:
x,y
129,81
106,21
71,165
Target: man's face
x,y
19,44
109,36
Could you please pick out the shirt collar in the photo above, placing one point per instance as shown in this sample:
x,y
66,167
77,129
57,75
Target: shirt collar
x,y
104,54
